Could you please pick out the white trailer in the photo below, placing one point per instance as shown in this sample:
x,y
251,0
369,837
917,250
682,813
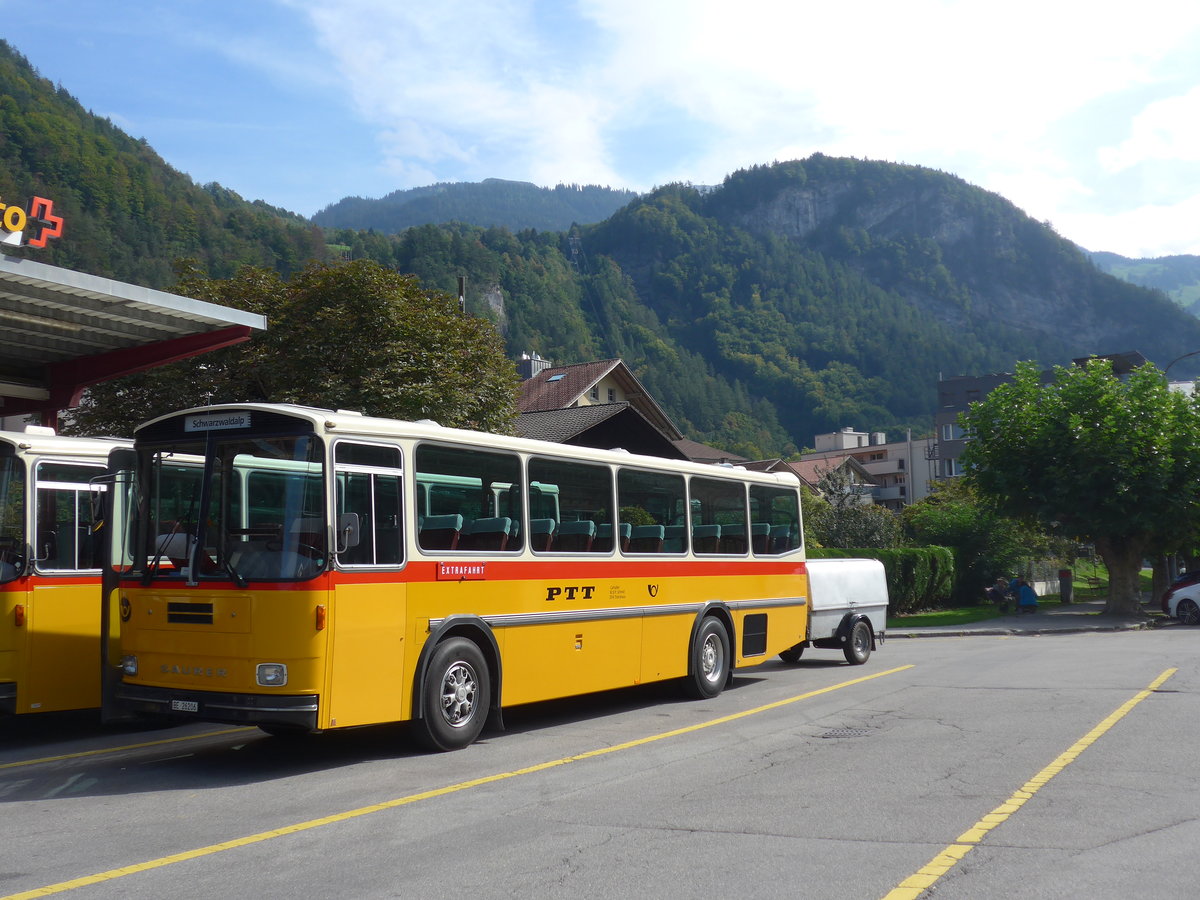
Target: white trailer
x,y
847,608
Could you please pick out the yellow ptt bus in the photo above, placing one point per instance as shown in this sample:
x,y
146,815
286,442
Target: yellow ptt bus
x,y
50,567
302,570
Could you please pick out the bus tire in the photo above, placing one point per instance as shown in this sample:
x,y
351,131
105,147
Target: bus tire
x,y
457,691
792,654
858,643
709,668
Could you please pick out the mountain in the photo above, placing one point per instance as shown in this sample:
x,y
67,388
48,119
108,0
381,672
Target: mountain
x,y
514,205
840,289
790,300
1176,276
800,297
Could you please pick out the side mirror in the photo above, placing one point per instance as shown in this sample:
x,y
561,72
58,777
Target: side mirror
x,y
348,535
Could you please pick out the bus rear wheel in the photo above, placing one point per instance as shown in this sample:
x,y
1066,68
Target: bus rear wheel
x,y
456,691
710,660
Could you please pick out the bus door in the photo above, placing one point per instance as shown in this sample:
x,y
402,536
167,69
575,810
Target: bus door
x,y
369,608
14,571
61,666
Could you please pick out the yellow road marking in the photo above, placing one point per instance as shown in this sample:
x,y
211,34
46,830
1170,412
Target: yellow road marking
x,y
81,754
915,884
111,874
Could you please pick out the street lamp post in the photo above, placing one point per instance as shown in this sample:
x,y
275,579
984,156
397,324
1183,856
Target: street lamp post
x,y
1177,359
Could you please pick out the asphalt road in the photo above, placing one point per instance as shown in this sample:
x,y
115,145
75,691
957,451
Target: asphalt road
x,y
1041,766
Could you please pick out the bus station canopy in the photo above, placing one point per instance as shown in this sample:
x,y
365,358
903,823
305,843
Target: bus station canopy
x,y
61,331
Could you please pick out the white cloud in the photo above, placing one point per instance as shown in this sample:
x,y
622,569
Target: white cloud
x,y
1167,129
1142,231
1002,96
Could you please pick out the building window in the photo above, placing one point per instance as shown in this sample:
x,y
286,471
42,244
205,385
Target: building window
x,y
952,431
952,468
595,392
612,395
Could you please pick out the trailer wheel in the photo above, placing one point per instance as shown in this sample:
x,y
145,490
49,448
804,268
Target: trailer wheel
x,y
792,654
858,644
457,691
710,660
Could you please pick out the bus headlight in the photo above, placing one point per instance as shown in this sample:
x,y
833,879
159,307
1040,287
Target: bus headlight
x,y
129,665
271,674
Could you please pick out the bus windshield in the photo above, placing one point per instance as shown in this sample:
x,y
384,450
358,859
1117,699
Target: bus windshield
x,y
240,509
12,517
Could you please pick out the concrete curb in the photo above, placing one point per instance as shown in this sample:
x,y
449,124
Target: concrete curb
x,y
1026,631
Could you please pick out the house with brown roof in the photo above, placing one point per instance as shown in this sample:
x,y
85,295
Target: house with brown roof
x,y
595,404
861,482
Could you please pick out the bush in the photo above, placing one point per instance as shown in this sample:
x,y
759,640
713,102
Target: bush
x,y
917,577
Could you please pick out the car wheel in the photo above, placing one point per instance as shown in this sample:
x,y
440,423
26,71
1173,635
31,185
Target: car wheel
x,y
1188,612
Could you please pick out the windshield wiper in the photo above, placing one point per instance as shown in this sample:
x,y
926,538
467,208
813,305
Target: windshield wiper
x,y
227,564
159,550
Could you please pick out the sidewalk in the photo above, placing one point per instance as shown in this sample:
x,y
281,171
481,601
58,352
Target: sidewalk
x,y
1051,618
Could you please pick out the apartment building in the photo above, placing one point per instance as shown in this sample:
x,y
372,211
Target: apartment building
x,y
902,469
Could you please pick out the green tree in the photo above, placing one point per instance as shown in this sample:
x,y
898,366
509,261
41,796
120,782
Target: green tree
x,y
985,543
353,336
845,521
1092,457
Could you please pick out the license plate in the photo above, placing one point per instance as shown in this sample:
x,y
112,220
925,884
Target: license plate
x,y
185,706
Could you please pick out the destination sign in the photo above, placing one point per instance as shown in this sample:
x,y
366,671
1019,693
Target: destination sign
x,y
220,422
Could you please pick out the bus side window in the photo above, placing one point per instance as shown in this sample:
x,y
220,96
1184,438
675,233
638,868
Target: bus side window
x,y
778,509
719,508
370,487
64,517
650,503
482,487
574,500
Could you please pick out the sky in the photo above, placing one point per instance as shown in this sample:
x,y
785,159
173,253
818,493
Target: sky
x,y
1086,116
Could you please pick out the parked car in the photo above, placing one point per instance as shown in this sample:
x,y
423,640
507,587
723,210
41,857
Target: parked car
x,y
1182,599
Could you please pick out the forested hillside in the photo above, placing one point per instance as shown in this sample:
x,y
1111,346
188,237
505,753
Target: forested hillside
x,y
514,205
840,289
793,299
128,214
1176,276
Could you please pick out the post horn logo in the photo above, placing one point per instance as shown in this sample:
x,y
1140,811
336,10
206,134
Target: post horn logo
x,y
15,222
653,589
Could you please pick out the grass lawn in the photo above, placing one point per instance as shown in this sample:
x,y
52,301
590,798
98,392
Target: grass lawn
x,y
963,615
1091,583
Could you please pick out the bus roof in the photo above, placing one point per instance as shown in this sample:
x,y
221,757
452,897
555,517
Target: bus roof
x,y
353,424
39,440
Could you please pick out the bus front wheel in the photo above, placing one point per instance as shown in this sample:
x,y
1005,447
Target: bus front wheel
x,y
457,691
710,660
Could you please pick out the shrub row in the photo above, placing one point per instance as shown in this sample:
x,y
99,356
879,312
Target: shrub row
x,y
917,577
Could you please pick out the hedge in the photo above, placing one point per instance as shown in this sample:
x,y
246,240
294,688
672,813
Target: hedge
x,y
917,577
